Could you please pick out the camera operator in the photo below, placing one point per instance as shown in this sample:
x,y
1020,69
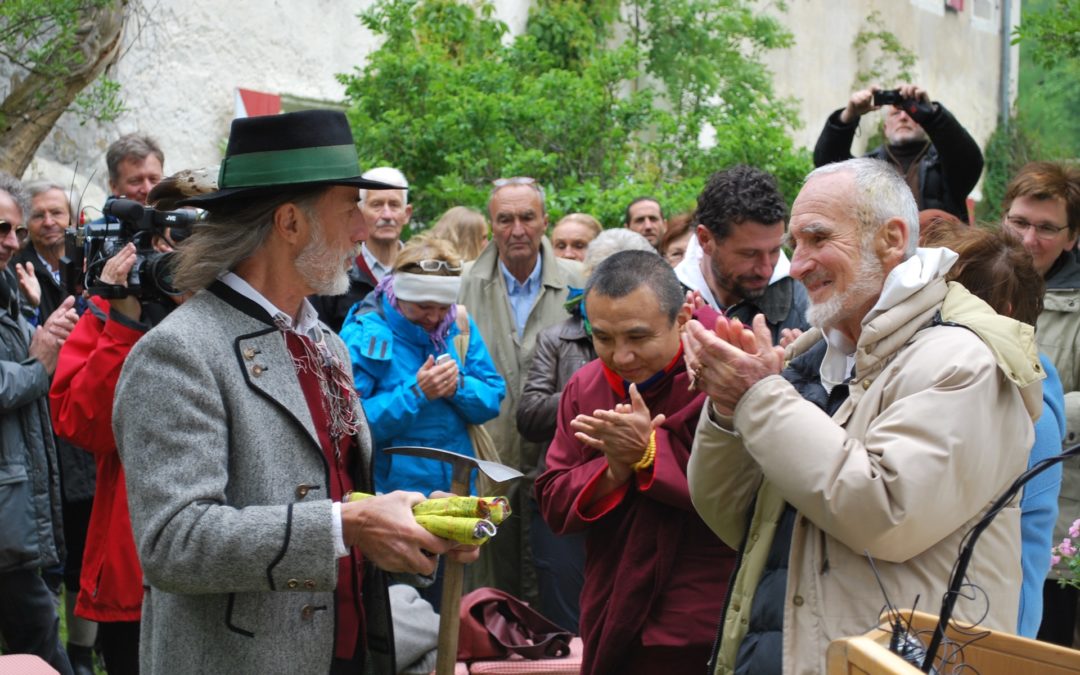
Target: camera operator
x,y
937,157
82,401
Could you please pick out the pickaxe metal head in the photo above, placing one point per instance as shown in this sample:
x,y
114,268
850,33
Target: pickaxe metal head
x,y
462,465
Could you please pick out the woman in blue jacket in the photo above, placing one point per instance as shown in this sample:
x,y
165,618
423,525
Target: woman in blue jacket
x,y
415,388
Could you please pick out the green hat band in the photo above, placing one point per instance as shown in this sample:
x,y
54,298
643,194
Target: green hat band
x,y
283,167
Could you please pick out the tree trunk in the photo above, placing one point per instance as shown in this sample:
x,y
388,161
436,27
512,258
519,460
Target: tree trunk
x,y
36,101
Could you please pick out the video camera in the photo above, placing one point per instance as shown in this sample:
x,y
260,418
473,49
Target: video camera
x,y
89,249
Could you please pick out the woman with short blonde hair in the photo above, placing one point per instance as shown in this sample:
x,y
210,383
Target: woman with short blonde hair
x,y
572,234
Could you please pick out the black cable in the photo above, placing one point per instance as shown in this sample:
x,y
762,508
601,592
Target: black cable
x,y
948,601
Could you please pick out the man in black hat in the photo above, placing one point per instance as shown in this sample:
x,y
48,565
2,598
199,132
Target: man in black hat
x,y
241,433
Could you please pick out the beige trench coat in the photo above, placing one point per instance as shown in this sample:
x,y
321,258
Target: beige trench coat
x,y
932,432
506,562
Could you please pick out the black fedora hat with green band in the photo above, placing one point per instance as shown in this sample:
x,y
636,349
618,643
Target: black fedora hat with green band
x,y
294,150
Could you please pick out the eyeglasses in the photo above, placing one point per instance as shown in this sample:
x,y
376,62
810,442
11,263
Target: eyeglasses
x,y
436,265
1044,231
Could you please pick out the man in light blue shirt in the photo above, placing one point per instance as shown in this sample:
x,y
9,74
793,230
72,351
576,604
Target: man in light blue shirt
x,y
514,290
522,295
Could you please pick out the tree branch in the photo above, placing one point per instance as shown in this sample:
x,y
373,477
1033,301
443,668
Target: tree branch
x,y
35,103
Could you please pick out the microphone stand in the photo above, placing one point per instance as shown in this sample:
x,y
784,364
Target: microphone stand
x,y
968,548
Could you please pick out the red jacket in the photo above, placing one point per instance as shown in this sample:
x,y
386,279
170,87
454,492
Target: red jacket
x,y
81,401
654,571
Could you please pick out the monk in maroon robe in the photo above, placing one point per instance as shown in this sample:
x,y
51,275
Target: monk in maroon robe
x,y
655,575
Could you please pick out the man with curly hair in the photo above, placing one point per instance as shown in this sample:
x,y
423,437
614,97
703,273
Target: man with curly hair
x,y
734,260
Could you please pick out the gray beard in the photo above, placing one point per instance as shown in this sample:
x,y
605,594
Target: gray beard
x,y
869,279
322,268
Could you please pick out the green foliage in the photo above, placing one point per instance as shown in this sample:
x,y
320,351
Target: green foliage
x,y
101,101
454,102
44,37
1007,150
1048,96
882,58
1052,33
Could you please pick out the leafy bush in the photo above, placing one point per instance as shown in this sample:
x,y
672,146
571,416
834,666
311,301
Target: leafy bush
x,y
1007,150
598,101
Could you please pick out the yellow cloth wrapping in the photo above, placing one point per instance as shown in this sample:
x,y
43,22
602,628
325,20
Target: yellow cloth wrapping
x,y
466,520
495,509
474,531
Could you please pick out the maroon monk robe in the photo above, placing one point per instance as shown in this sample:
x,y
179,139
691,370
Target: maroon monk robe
x,y
349,610
655,575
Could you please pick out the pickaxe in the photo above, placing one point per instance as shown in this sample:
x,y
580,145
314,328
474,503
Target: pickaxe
x,y
453,572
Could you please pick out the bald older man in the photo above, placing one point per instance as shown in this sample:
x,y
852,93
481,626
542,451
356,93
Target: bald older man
x,y
893,428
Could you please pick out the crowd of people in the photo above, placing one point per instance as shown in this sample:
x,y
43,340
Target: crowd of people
x,y
736,425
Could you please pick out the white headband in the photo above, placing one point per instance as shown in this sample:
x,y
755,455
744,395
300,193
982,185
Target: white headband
x,y
426,288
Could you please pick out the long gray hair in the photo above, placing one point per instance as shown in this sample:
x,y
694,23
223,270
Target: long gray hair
x,y
232,233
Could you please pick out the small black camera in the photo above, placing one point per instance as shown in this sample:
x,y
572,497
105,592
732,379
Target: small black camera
x,y
888,97
150,277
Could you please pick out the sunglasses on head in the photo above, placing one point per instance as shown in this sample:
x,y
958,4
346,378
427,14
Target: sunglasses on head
x,y
516,180
436,265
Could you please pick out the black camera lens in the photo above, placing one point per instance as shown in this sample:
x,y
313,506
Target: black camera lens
x,y
888,97
156,273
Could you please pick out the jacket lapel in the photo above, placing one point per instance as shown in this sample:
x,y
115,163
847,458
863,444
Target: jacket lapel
x,y
267,368
265,362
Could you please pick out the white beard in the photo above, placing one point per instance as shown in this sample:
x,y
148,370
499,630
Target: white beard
x,y
321,267
869,279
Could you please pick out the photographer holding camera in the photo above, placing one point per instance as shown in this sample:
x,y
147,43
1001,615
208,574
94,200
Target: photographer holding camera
x,y
81,400
937,157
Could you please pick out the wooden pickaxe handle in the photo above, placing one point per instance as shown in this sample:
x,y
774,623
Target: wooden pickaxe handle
x,y
450,609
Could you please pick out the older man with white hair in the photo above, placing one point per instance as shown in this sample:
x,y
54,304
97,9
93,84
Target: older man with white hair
x,y
31,533
387,212
903,414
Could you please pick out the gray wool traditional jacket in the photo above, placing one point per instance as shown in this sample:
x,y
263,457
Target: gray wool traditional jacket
x,y
228,489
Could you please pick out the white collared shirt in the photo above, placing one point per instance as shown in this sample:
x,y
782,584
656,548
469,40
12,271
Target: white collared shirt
x,y
307,321
54,272
378,270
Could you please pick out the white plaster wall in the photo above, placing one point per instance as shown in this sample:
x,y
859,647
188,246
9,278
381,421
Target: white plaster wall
x,y
183,60
958,59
